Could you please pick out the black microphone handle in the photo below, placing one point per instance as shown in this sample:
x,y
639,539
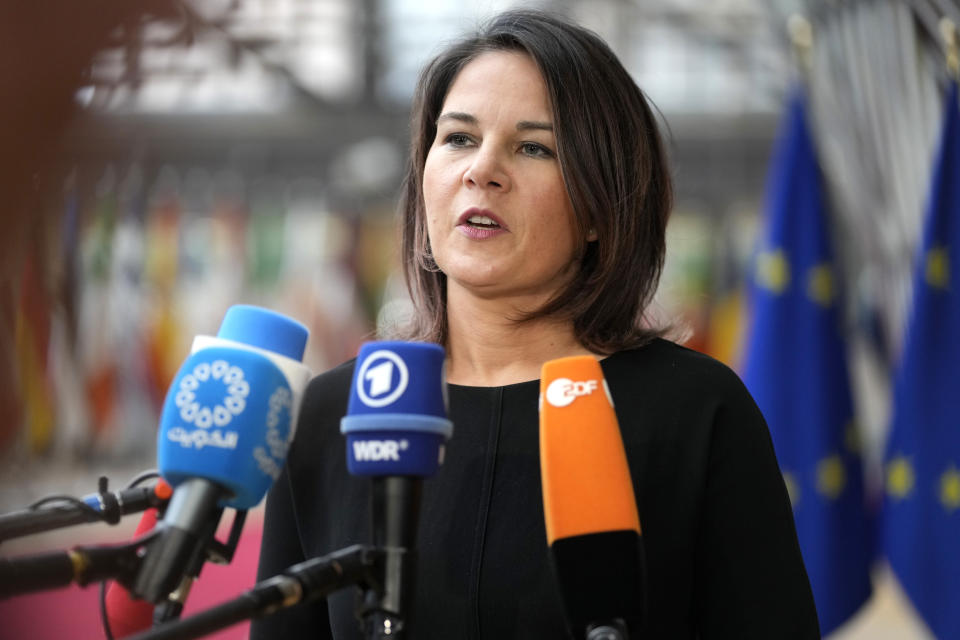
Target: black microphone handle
x,y
301,583
30,521
190,521
55,569
396,513
35,573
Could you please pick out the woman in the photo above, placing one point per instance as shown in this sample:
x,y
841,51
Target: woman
x,y
533,228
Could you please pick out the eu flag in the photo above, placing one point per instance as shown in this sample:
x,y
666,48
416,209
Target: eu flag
x,y
922,467
796,368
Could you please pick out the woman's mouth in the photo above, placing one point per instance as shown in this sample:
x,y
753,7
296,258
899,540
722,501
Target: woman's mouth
x,y
482,222
479,224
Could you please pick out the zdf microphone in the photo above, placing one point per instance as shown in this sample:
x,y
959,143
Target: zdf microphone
x,y
226,424
593,527
396,426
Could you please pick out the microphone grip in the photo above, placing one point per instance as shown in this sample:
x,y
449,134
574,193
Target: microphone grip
x,y
38,572
396,512
186,526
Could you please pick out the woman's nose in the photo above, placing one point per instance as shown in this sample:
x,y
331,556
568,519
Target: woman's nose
x,y
487,170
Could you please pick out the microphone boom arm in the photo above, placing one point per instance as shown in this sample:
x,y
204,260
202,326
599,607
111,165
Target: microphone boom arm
x,y
81,565
301,583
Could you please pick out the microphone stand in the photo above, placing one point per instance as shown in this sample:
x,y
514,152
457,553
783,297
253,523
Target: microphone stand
x,y
310,580
383,572
112,505
395,511
80,565
85,564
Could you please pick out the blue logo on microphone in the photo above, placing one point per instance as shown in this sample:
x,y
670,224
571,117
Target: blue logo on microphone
x,y
382,378
227,418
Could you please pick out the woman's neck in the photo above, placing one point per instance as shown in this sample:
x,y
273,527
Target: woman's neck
x,y
487,348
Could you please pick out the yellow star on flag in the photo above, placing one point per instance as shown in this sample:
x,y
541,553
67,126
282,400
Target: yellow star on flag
x,y
950,489
900,477
937,271
831,477
773,271
820,287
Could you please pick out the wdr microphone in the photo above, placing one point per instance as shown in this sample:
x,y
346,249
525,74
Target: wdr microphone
x,y
226,423
593,528
396,426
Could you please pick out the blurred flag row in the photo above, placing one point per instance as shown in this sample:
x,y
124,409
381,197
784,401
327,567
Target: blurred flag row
x,y
110,300
795,365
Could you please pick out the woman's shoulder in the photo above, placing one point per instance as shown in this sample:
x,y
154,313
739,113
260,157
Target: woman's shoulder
x,y
331,384
325,398
662,362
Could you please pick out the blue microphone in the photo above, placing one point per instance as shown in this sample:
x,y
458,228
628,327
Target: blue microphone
x,y
396,427
225,427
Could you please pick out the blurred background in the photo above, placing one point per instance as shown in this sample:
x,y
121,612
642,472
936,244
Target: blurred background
x,y
164,159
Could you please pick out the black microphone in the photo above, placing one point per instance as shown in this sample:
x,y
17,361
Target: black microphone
x,y
224,431
103,506
396,426
592,522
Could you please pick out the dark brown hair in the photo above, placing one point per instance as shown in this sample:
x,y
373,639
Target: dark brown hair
x,y
613,164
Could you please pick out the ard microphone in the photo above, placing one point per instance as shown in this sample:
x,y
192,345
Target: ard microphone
x,y
396,426
593,528
226,423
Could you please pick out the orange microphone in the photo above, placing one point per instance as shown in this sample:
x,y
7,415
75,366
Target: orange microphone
x,y
593,528
126,615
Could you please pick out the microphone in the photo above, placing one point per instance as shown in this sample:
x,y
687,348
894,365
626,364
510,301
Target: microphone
x,y
225,427
396,426
593,527
103,506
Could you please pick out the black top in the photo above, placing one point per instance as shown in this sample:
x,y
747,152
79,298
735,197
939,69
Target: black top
x,y
722,554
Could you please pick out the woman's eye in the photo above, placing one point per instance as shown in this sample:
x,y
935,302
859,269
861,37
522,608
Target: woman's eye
x,y
536,150
457,139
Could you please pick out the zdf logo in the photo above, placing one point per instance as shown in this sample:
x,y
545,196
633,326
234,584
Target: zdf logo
x,y
382,378
563,391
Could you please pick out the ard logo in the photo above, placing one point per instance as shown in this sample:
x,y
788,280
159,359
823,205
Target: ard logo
x,y
382,378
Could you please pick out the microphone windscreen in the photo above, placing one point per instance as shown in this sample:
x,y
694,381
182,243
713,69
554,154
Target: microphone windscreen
x,y
229,414
128,616
586,481
227,418
591,517
396,421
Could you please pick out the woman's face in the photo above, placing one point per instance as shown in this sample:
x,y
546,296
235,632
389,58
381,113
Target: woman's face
x,y
499,218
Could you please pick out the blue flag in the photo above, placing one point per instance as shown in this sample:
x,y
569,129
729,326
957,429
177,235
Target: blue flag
x,y
922,467
796,368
